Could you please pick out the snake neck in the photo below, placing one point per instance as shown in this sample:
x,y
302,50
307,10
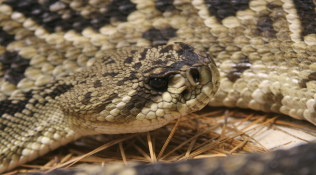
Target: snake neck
x,y
36,127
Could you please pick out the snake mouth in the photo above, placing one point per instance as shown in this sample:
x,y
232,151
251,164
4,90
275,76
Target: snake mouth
x,y
202,83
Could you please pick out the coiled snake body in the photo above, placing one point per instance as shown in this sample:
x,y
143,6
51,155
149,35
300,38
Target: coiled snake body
x,y
75,68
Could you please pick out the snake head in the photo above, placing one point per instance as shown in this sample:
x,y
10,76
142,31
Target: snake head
x,y
141,89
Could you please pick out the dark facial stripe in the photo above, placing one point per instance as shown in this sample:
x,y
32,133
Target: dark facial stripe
x,y
306,12
104,104
125,79
138,101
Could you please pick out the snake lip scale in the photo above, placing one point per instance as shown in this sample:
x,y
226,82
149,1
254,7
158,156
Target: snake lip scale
x,y
72,68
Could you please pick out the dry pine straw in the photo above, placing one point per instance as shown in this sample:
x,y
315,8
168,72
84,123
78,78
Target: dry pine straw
x,y
192,136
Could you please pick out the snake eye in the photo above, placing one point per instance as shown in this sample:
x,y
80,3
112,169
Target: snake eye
x,y
159,84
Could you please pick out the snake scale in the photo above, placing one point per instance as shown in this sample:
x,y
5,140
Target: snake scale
x,y
71,68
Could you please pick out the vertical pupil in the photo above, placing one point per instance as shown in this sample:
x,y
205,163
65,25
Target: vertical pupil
x,y
158,83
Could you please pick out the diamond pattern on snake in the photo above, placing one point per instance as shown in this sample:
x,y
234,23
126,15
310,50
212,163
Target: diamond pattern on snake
x,y
71,68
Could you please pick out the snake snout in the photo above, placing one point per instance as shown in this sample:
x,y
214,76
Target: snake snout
x,y
199,75
201,82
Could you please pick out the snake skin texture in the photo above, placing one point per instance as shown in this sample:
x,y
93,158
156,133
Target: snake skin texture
x,y
71,68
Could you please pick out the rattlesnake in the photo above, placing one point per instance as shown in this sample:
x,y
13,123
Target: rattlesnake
x,y
74,68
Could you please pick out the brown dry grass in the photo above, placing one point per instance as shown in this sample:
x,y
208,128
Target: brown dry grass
x,y
210,133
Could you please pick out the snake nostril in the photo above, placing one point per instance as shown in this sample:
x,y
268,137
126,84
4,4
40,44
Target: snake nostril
x,y
184,93
195,74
